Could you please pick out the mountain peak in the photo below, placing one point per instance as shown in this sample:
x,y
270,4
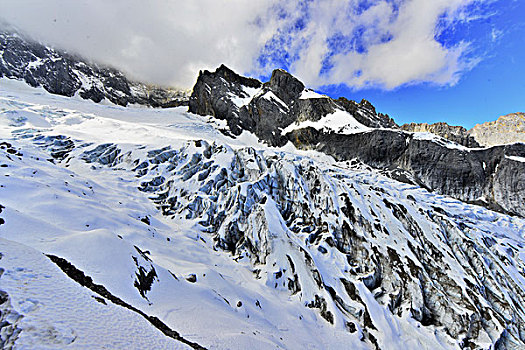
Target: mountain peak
x,y
229,75
285,86
65,74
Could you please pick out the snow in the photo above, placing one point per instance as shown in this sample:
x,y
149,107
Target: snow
x,y
90,214
35,64
340,122
58,313
442,141
306,94
248,94
516,158
91,217
269,95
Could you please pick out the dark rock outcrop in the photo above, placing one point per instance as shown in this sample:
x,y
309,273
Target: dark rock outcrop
x,y
491,177
65,74
365,113
274,106
86,281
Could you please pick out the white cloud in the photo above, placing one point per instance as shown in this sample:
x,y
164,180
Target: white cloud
x,y
396,44
388,44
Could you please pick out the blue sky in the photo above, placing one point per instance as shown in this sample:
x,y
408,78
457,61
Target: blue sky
x,y
458,61
490,85
494,87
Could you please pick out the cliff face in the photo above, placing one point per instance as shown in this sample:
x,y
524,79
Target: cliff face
x,y
457,134
507,129
491,177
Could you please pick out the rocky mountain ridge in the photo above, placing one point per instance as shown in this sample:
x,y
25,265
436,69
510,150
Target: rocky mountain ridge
x,y
508,128
457,134
282,110
64,74
266,109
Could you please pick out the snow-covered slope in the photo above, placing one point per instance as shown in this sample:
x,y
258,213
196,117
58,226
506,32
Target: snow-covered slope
x,y
234,244
41,308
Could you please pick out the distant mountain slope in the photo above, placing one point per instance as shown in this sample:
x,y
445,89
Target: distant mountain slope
x,y
506,129
64,74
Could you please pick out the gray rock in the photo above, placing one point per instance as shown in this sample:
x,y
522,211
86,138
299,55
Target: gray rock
x,y
264,115
365,113
506,129
482,176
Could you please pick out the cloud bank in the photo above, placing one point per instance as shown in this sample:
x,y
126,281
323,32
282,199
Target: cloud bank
x,y
359,43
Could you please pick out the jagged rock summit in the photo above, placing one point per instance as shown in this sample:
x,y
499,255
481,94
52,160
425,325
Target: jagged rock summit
x,y
64,74
267,109
282,110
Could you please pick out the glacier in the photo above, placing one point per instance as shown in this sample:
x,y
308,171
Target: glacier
x,y
233,243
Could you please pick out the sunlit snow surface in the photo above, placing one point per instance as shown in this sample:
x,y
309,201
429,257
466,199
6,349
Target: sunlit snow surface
x,y
340,122
90,214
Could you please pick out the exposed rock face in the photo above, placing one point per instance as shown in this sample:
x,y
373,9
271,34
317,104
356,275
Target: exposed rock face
x,y
457,134
492,177
488,177
64,74
365,113
507,129
266,109
214,94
